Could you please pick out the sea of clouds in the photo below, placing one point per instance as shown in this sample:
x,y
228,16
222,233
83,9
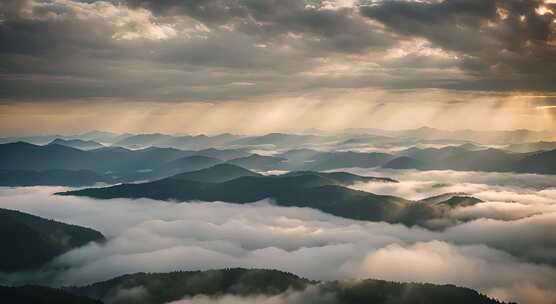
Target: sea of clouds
x,y
504,247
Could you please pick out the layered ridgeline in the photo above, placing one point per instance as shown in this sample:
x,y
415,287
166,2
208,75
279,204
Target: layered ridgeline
x,y
31,242
116,164
254,286
77,143
460,158
326,192
377,137
463,159
26,164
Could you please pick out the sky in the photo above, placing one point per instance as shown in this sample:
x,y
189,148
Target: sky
x,y
255,66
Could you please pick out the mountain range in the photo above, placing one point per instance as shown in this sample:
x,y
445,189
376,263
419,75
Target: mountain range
x,y
312,137
77,143
180,141
57,163
113,164
159,288
489,160
498,137
52,177
241,284
326,192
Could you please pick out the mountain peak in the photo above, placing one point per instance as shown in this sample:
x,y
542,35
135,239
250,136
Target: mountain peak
x,y
216,174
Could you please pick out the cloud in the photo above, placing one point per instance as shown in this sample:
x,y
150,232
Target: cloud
x,y
124,56
496,210
493,256
505,44
516,215
196,50
415,184
311,294
323,25
107,50
468,265
282,112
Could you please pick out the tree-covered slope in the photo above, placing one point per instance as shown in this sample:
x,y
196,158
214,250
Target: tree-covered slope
x,y
31,241
184,164
321,191
216,174
158,288
41,295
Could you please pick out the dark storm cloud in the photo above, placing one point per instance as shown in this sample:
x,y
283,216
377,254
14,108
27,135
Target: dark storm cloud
x,y
337,29
507,44
239,49
57,49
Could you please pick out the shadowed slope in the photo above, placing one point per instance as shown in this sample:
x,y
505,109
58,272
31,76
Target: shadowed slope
x,y
41,295
31,241
158,288
322,191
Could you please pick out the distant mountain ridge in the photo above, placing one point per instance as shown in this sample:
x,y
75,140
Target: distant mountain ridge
x,y
532,147
216,174
184,164
52,177
489,160
77,143
184,141
482,137
177,141
259,162
119,164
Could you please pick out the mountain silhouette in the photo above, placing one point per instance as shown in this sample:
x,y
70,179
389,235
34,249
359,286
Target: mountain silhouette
x,y
31,241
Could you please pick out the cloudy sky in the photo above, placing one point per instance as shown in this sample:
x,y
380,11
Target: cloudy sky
x,y
275,65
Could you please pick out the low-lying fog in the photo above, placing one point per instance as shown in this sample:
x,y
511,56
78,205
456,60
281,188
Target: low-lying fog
x,y
506,249
507,196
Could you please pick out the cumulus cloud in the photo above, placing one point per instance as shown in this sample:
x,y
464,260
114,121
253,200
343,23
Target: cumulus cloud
x,y
493,256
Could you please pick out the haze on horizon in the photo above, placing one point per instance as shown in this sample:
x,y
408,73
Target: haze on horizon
x,y
254,66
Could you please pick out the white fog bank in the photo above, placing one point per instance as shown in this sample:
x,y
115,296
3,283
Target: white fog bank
x,y
499,258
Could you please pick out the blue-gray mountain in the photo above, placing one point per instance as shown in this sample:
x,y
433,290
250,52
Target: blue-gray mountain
x,y
58,164
326,192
